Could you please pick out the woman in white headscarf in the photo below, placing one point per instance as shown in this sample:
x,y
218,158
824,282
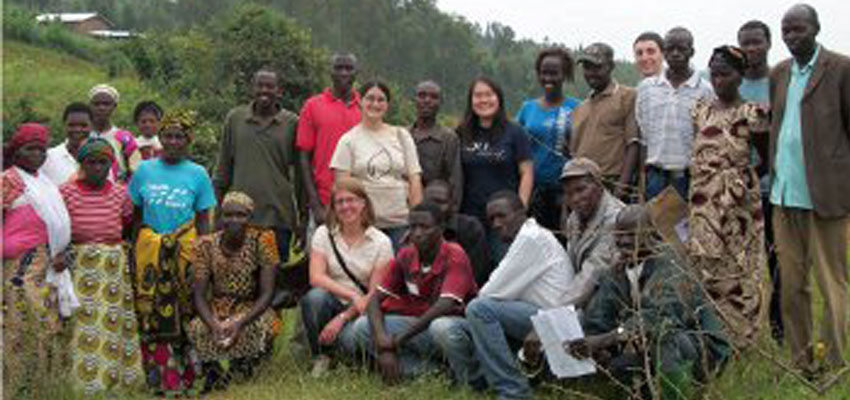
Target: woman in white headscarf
x,y
103,100
36,227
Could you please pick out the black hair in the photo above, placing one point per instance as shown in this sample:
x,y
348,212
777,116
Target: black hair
x,y
731,55
470,124
147,106
76,107
337,56
650,36
681,30
268,69
378,84
756,24
433,209
813,15
567,63
510,196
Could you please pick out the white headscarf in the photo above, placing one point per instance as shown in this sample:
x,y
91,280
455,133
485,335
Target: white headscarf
x,y
47,202
104,88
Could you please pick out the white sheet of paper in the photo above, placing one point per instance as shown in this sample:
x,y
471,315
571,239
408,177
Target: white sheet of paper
x,y
554,327
682,230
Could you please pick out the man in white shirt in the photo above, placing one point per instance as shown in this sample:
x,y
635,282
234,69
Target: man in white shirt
x,y
663,113
530,277
61,163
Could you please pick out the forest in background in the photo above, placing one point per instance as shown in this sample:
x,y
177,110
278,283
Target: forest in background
x,y
201,54
401,41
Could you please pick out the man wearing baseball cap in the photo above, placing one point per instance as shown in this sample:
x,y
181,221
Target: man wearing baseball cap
x,y
589,229
604,125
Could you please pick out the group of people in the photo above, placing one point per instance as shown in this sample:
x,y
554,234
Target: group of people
x,y
430,246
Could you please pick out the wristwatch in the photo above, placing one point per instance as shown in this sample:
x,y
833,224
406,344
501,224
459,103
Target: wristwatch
x,y
621,333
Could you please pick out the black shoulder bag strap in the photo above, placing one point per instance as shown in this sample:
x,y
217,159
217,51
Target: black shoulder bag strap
x,y
344,266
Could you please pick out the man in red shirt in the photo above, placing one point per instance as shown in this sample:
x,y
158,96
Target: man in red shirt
x,y
417,313
324,118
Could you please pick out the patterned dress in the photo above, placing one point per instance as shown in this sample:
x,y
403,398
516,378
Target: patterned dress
x,y
30,308
234,283
105,344
164,306
726,221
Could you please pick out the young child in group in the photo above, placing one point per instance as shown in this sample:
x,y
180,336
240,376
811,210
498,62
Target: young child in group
x,y
146,117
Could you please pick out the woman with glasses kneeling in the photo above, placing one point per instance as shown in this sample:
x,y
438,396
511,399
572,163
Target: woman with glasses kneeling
x,y
347,259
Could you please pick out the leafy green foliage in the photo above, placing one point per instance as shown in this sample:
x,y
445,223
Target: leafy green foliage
x,y
39,82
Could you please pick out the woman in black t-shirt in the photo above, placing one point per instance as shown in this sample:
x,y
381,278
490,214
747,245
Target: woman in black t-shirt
x,y
495,155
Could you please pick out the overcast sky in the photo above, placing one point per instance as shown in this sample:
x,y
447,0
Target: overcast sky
x,y
618,22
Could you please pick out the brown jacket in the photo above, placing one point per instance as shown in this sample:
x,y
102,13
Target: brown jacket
x,y
825,114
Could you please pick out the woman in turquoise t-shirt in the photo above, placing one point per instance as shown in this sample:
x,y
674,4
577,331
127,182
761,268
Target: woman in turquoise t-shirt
x,y
173,199
548,121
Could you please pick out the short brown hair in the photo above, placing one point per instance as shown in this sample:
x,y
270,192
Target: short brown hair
x,y
353,186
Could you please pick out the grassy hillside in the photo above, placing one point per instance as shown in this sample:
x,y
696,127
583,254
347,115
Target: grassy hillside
x,y
45,80
39,82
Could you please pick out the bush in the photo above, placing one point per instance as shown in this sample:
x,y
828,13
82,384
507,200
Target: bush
x,y
252,37
229,50
20,24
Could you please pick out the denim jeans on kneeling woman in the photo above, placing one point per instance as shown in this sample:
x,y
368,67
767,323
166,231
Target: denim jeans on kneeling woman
x,y
318,307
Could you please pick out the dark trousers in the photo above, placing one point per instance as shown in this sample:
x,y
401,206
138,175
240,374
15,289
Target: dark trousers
x,y
282,235
657,179
775,311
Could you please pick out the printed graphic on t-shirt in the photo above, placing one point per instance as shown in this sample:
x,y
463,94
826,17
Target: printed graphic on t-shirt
x,y
484,151
164,195
380,164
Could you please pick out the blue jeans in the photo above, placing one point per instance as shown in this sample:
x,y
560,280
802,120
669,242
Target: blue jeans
x,y
493,322
658,179
446,336
318,307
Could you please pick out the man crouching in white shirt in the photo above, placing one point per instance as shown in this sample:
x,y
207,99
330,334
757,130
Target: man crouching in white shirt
x,y
531,276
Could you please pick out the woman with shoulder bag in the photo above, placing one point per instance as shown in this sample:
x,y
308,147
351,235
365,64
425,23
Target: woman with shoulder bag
x,y
383,158
348,257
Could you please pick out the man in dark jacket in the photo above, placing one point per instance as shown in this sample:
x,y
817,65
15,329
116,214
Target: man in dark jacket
x,y
809,159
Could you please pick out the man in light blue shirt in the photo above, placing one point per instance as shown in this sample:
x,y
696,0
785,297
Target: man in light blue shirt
x,y
790,188
754,39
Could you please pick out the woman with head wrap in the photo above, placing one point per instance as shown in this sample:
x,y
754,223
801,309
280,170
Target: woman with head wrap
x,y
36,227
100,210
726,223
173,198
234,281
103,100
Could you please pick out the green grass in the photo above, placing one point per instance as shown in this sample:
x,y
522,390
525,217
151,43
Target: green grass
x,y
751,377
47,80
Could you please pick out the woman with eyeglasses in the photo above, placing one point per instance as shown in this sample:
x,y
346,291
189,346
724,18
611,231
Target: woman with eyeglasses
x,y
383,158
